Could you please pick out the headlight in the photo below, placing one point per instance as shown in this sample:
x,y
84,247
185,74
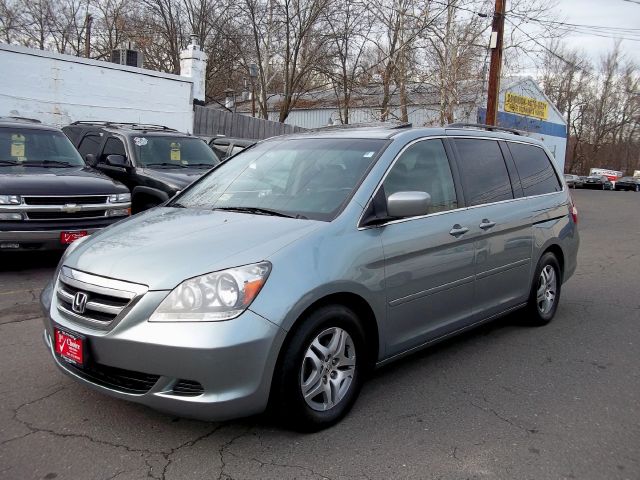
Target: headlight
x,y
10,200
213,297
119,212
120,198
16,216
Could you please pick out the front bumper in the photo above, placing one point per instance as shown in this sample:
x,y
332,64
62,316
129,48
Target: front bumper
x,y
232,360
29,240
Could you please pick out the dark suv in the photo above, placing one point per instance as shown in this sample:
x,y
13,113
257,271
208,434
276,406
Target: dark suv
x,y
48,195
155,162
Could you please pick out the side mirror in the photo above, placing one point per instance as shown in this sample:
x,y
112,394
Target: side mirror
x,y
408,204
91,159
117,161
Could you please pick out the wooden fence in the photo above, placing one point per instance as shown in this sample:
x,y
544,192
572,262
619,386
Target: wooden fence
x,y
211,122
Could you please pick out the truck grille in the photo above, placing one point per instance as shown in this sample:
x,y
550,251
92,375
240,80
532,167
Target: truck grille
x,y
47,208
65,215
95,300
88,199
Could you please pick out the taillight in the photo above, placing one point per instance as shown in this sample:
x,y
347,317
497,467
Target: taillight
x,y
573,210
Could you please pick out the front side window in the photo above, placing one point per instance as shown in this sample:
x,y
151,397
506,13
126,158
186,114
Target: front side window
x,y
305,178
534,167
177,152
24,147
112,146
485,178
424,167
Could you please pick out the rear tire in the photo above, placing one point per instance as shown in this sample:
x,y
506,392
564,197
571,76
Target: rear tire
x,y
545,291
321,370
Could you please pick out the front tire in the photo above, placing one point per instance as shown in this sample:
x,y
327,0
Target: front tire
x,y
321,371
545,291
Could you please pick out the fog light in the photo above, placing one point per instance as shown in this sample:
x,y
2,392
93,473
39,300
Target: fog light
x,y
11,216
119,212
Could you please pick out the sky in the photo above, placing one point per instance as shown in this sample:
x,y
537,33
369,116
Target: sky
x,y
608,13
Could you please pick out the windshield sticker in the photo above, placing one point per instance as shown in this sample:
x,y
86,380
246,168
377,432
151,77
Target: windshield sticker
x,y
369,154
140,141
17,146
175,151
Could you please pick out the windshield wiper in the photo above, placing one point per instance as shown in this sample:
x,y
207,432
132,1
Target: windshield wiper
x,y
258,211
165,164
208,165
43,163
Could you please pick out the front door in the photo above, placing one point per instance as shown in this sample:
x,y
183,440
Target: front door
x,y
429,267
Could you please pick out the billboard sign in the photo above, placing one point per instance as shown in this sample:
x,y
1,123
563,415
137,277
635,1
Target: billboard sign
x,y
527,106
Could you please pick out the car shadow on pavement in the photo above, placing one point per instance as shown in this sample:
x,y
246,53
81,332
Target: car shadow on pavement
x,y
21,261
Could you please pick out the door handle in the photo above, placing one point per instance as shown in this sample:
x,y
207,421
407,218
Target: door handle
x,y
458,230
486,224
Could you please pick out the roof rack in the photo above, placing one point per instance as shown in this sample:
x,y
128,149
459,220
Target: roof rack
x,y
21,119
482,126
389,125
131,125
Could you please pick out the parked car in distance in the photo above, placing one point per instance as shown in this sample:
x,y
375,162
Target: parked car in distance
x,y
580,183
598,182
226,147
153,161
628,183
49,197
571,180
282,277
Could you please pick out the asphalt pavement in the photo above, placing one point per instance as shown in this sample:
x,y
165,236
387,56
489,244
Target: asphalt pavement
x,y
502,402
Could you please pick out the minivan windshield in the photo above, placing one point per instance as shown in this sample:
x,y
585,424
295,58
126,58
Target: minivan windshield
x,y
303,178
30,147
176,152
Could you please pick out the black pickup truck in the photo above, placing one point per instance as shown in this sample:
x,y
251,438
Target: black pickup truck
x,y
49,197
153,161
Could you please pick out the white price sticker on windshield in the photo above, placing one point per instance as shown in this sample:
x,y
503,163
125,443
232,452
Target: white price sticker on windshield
x,y
369,154
140,141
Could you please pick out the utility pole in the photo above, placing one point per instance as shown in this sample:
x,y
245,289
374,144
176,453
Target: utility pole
x,y
497,34
87,39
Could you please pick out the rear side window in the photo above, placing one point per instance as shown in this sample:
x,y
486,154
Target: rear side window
x,y
534,167
89,144
484,174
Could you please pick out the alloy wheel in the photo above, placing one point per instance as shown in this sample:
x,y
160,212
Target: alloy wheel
x,y
328,368
547,288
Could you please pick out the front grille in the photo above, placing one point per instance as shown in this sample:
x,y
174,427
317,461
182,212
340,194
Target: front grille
x,y
65,215
87,200
106,299
188,388
127,381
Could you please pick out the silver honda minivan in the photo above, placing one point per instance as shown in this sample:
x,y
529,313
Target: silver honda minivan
x,y
284,275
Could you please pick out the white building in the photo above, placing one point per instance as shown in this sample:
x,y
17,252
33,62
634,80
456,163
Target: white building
x,y
60,89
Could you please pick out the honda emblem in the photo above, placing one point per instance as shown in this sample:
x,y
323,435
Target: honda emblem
x,y
79,302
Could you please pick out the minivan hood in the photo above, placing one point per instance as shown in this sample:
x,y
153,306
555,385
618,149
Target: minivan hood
x,y
57,181
164,246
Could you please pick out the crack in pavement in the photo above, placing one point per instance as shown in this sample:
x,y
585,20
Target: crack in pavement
x,y
187,444
300,467
21,320
224,446
165,454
